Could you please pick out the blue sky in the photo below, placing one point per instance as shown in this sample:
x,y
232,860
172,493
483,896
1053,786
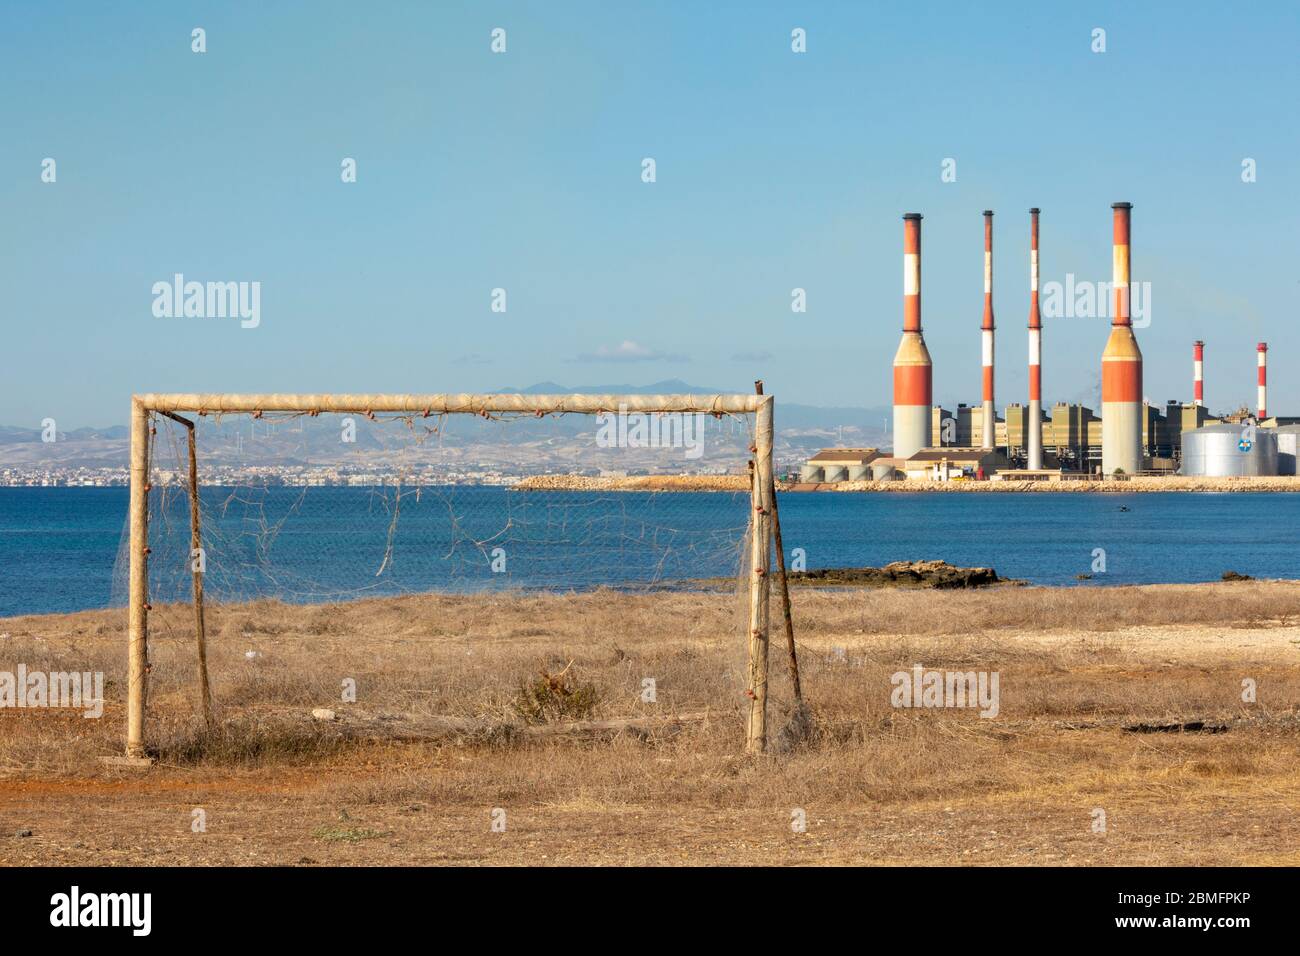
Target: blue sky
x,y
522,171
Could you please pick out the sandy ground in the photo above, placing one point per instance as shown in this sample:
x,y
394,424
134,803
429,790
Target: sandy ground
x,y
1079,669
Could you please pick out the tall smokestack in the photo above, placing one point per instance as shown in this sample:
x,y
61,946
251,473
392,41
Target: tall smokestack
x,y
1262,350
1121,367
912,367
986,334
1034,441
1198,373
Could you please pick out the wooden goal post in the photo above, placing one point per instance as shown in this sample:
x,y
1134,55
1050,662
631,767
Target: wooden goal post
x,y
761,523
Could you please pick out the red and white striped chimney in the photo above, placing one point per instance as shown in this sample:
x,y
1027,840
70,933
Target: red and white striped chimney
x,y
986,336
1034,441
913,370
1121,365
1262,350
1198,373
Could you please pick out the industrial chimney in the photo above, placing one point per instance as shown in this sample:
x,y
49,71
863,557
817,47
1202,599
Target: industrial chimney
x,y
1034,441
1198,373
986,336
1121,366
912,367
1262,350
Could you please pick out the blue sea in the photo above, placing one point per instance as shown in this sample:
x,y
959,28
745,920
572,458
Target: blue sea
x,y
61,548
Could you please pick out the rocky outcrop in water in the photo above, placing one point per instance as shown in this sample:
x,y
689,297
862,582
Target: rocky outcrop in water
x,y
903,574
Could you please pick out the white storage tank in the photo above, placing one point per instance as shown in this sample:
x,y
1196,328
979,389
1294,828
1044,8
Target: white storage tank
x,y
810,474
1286,449
836,473
1223,451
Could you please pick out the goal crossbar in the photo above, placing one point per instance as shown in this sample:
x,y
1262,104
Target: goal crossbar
x,y
762,499
451,403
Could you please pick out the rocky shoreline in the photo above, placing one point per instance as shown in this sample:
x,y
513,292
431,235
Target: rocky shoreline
x,y
734,483
1138,485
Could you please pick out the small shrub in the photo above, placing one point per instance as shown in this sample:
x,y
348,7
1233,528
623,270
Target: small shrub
x,y
349,834
550,697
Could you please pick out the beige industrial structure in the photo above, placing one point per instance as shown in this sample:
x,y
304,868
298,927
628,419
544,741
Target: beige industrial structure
x,y
964,427
834,465
840,464
946,464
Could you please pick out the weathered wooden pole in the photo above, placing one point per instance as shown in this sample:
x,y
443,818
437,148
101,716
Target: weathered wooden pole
x,y
198,565
784,583
138,587
760,566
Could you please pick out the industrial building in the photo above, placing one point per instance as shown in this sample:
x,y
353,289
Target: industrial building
x,y
840,464
1129,436
947,464
964,427
834,465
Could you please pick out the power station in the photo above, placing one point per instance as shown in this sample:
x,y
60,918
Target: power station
x,y
1131,436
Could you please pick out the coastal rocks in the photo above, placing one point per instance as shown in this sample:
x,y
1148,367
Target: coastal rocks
x,y
1072,485
634,483
1136,485
902,574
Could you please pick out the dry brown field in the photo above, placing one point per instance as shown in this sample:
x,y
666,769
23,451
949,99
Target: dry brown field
x,y
1093,683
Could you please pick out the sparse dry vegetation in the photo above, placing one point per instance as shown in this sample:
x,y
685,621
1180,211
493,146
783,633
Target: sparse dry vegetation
x,y
1078,666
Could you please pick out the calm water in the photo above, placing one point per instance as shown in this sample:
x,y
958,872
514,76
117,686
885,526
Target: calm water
x,y
59,546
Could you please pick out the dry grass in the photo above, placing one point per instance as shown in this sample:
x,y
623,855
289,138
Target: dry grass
x,y
878,784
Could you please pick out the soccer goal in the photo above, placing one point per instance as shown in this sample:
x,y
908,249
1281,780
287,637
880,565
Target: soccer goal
x,y
270,538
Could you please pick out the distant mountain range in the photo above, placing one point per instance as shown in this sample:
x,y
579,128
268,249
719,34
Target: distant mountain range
x,y
15,434
801,429
859,422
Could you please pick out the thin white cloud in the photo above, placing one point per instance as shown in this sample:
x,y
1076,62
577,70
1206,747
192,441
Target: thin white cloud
x,y
629,351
